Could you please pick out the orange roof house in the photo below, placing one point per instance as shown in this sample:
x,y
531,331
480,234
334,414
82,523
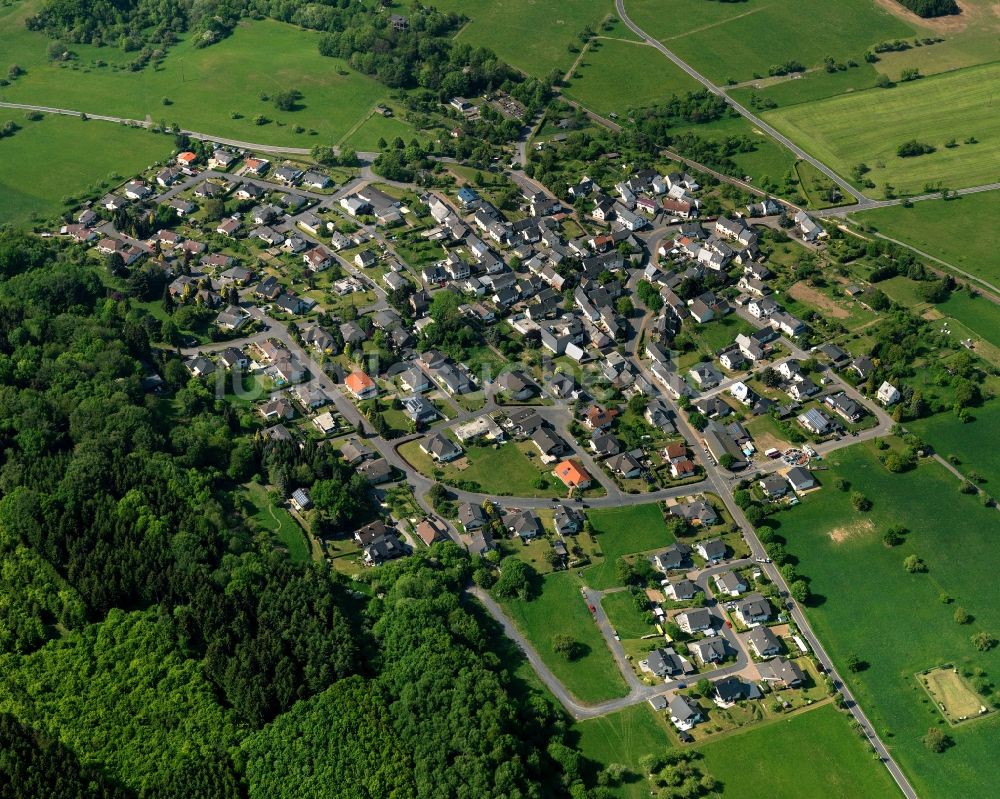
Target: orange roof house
x,y
598,418
186,158
572,474
361,385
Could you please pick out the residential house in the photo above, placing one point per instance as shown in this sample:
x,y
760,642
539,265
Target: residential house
x,y
567,520
382,549
845,407
524,525
232,318
440,448
781,673
862,367
680,590
326,423
696,512
675,556
684,712
666,663
753,609
709,650
694,620
516,385
354,452
801,479
361,385
277,408
625,465
233,358
731,583
430,530
815,421
365,259
550,445
376,471
887,394
732,689
774,486
472,516
712,550
705,375
763,642
573,475
604,445
419,410
301,500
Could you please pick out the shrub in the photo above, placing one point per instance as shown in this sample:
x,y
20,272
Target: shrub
x,y
983,641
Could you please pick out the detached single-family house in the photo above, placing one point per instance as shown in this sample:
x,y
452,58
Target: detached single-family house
x,y
675,556
801,479
524,525
472,516
774,486
753,609
573,475
680,590
694,620
887,394
763,642
781,673
815,421
712,550
361,385
709,650
440,448
684,712
301,500
730,583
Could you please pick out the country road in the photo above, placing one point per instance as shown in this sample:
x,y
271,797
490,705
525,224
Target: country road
x,y
741,109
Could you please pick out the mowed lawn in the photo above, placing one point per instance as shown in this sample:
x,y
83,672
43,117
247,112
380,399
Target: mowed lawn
x,y
948,229
811,754
968,441
737,40
204,86
614,76
278,522
59,157
532,35
560,609
867,127
897,622
624,531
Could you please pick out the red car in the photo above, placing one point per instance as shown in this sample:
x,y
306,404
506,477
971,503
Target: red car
x,y
593,609
729,624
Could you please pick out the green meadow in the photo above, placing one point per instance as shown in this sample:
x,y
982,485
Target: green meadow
x,y
614,76
949,230
532,35
811,754
560,609
624,531
897,622
867,127
58,157
204,87
741,40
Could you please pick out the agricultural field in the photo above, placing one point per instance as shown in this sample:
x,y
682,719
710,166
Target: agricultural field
x,y
741,40
530,35
559,608
78,157
204,87
625,531
953,696
805,87
946,230
614,76
868,127
901,623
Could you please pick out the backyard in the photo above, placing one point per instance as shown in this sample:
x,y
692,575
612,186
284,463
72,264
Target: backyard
x,y
278,523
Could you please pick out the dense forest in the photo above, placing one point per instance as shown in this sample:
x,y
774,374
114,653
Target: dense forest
x,y
932,8
153,645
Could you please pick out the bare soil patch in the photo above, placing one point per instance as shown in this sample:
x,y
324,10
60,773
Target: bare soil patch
x,y
955,23
813,296
841,534
956,700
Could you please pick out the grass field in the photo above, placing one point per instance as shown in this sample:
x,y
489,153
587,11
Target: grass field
x,y
768,161
946,230
814,753
980,315
624,615
623,531
897,622
532,35
366,136
813,85
737,40
205,86
510,470
956,700
614,76
950,436
809,754
868,127
57,157
278,522
560,609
